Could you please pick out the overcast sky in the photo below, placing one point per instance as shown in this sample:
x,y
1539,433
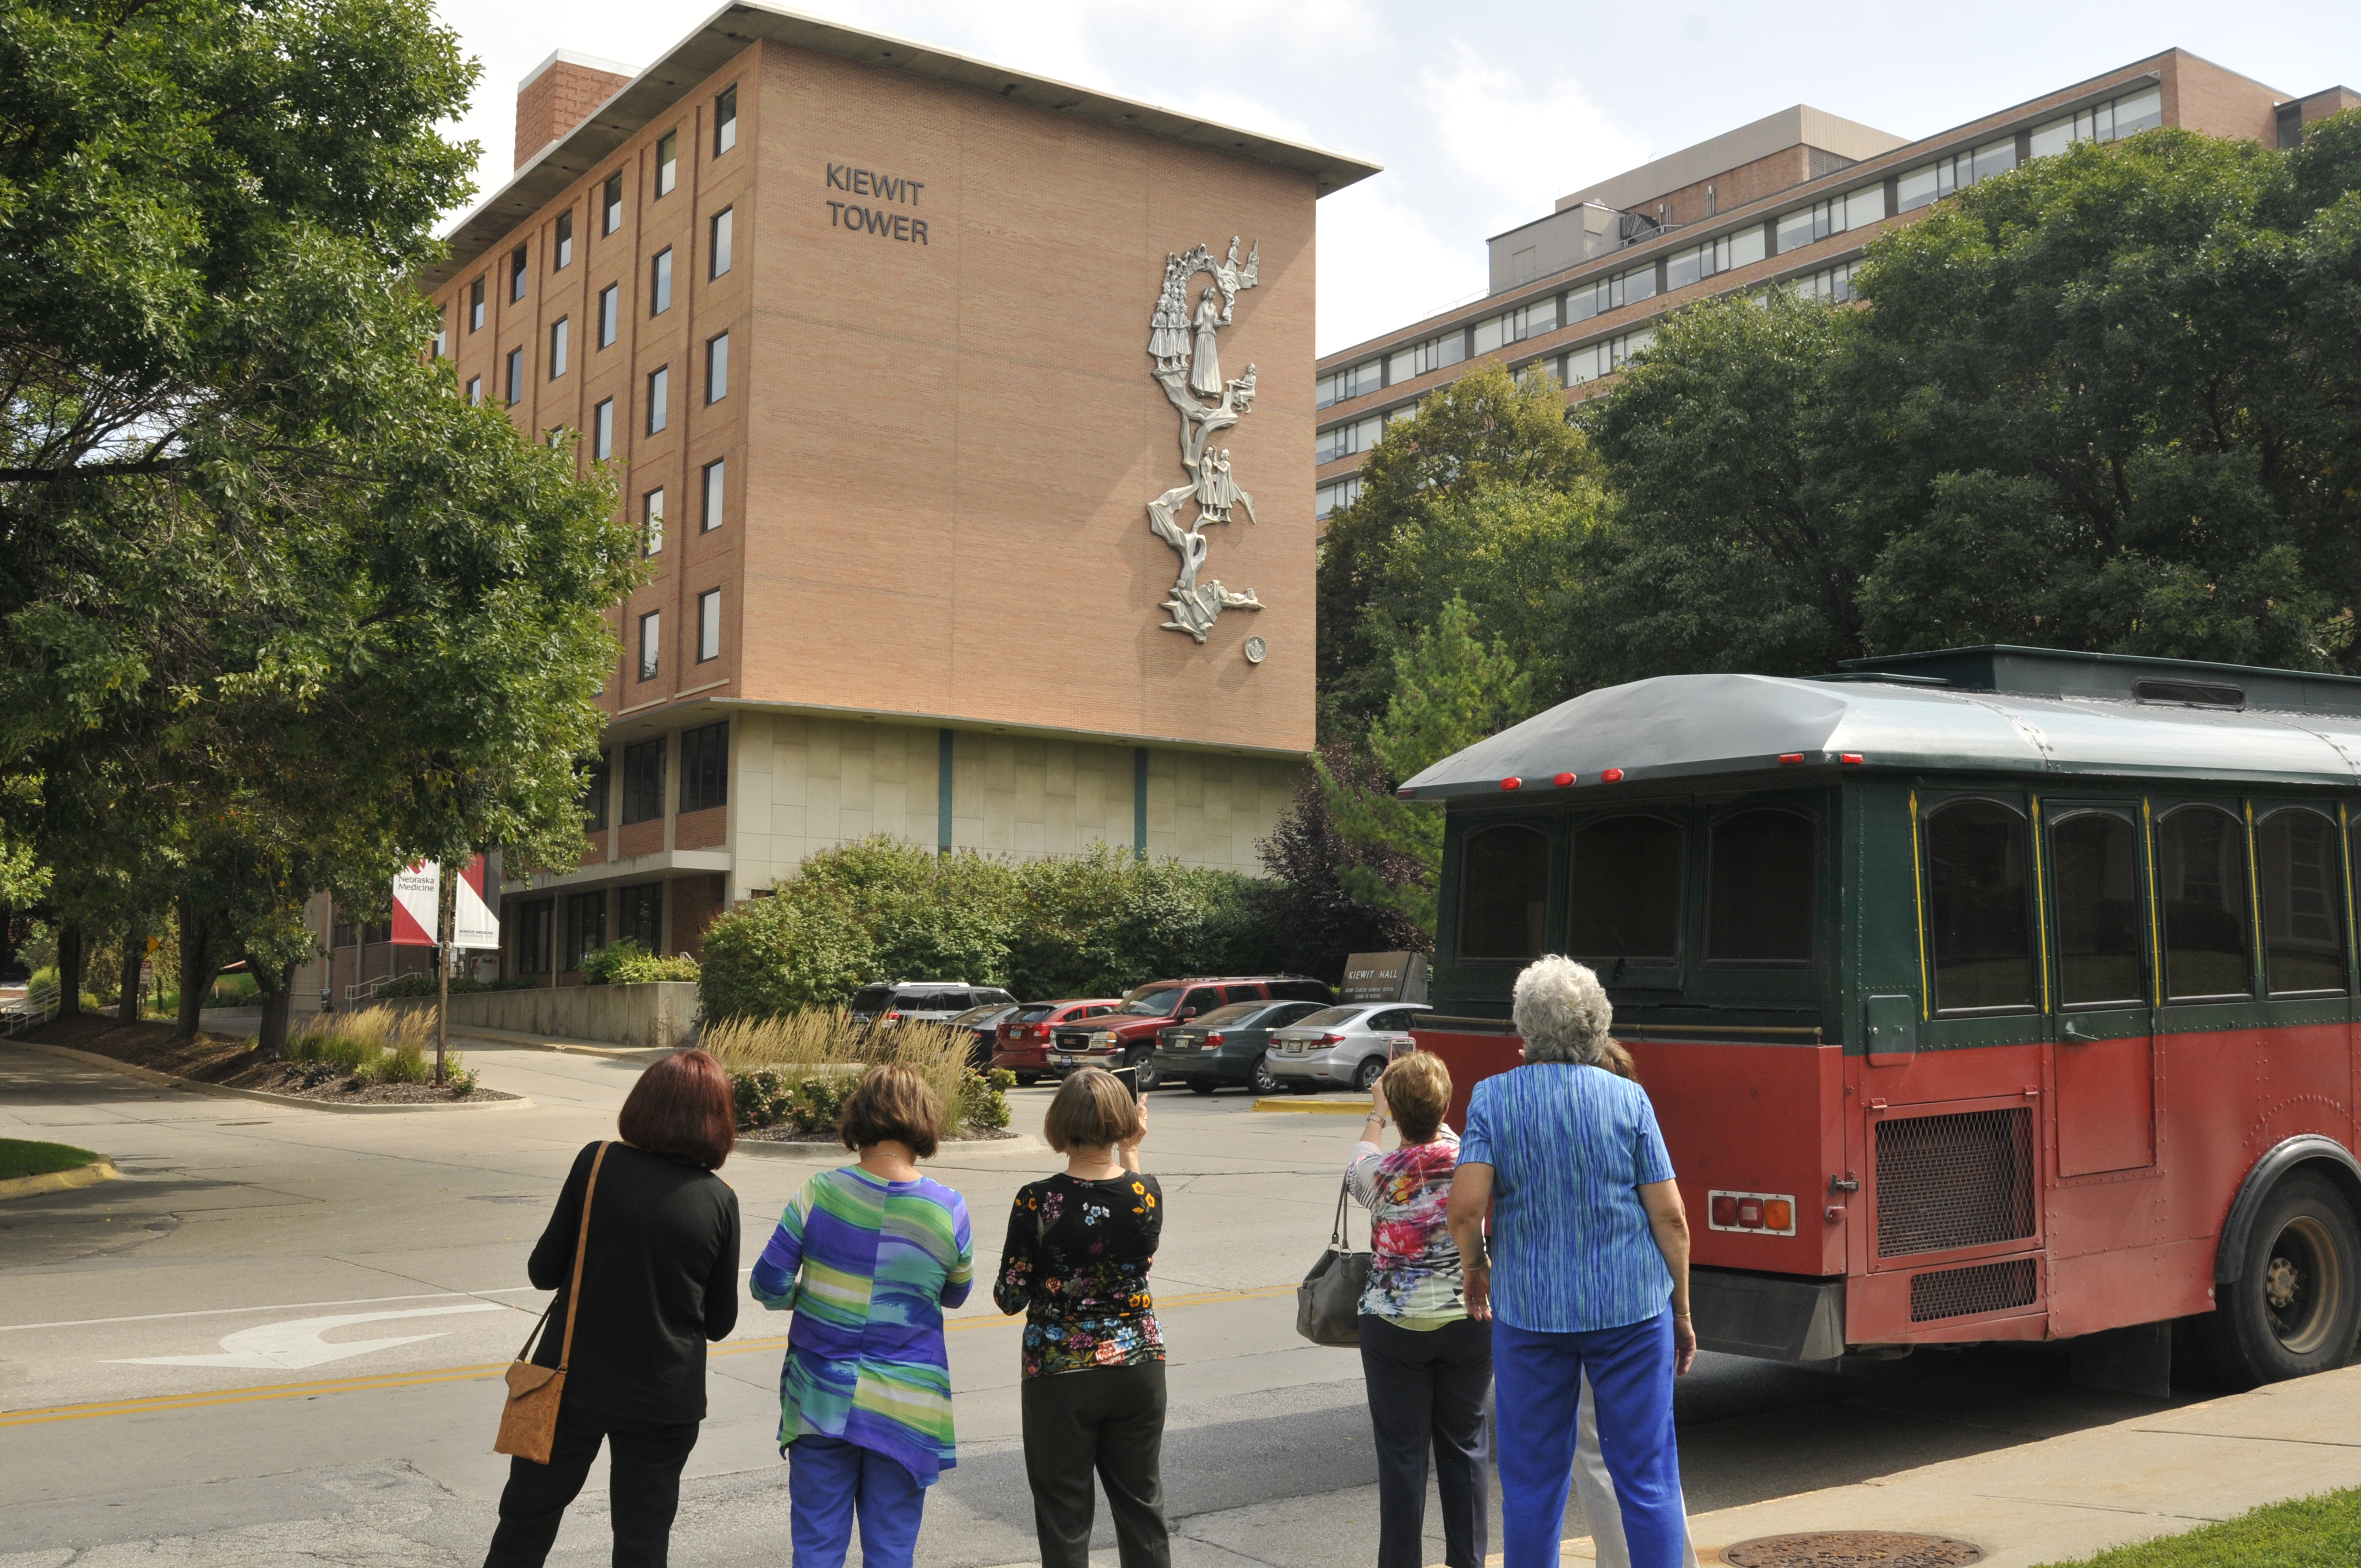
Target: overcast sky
x,y
1483,112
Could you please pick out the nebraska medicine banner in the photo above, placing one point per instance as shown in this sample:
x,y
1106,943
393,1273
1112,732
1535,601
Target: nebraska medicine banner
x,y
474,924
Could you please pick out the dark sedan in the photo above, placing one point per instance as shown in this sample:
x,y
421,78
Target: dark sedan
x,y
1226,1046
982,1025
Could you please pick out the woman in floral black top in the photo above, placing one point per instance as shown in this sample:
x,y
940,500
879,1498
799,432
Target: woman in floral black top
x,y
1080,1244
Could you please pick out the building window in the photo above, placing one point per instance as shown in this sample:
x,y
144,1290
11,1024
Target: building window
x,y
643,781
476,305
652,521
709,635
1832,284
611,204
563,252
1855,209
1604,359
1343,440
1515,326
1610,294
1433,355
725,121
717,367
610,308
602,429
595,780
475,390
533,934
721,248
516,274
659,393
639,915
705,767
1742,248
2123,116
441,339
651,644
585,925
516,375
713,497
667,164
660,283
1328,497
1353,381
1933,182
560,335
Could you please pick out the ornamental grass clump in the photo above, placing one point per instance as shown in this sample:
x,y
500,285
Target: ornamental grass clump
x,y
376,1045
796,1068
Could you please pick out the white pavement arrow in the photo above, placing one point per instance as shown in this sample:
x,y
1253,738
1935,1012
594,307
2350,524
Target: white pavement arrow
x,y
292,1346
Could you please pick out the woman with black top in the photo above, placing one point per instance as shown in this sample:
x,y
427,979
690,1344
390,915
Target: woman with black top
x,y
659,1279
1076,1264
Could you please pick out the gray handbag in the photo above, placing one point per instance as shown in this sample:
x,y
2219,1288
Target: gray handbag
x,y
1328,1302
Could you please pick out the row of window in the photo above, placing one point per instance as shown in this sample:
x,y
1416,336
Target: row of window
x,y
709,636
1789,231
704,777
639,917
658,402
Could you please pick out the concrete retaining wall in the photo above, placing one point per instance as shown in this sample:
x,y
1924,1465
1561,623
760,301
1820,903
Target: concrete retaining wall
x,y
658,1015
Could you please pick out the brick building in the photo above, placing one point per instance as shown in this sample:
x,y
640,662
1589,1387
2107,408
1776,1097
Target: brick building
x,y
862,329
1788,200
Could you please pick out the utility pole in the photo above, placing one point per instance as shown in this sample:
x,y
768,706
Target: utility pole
x,y
446,911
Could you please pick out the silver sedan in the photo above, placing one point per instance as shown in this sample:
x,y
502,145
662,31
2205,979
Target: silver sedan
x,y
1343,1047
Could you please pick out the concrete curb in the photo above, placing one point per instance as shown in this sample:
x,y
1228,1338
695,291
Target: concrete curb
x,y
1313,1107
293,1102
59,1180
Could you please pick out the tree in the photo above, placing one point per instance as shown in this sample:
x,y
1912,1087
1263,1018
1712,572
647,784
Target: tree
x,y
278,606
1450,690
1477,493
1313,912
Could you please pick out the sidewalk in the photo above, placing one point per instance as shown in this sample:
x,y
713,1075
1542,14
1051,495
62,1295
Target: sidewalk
x,y
2065,1497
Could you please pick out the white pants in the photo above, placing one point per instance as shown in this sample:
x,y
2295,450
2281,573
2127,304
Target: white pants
x,y
1597,1490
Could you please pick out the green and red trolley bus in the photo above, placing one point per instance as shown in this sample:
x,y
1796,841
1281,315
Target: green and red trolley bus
x,y
1993,994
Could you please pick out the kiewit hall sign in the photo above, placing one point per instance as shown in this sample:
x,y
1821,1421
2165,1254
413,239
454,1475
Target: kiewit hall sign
x,y
965,416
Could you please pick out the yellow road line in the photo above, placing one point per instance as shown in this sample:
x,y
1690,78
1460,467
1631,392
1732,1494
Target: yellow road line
x,y
205,1396
1316,1107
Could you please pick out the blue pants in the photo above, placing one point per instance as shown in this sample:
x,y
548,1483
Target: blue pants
x,y
829,1481
1537,1390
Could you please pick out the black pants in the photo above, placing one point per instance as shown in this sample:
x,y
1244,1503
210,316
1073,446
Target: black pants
x,y
1110,1421
1427,1390
642,1489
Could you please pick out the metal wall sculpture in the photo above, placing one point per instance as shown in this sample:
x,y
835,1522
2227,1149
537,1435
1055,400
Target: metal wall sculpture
x,y
1185,346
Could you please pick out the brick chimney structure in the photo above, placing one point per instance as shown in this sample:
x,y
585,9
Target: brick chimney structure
x,y
558,94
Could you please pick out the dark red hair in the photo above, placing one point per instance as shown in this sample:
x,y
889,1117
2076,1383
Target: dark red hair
x,y
681,1107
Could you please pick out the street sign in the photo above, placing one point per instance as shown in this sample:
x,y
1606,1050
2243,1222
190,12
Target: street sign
x,y
415,891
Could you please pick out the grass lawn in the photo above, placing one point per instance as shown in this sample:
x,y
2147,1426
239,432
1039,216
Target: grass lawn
x,y
20,1158
2309,1533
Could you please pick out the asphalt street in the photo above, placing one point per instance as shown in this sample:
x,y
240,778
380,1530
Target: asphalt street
x,y
276,1340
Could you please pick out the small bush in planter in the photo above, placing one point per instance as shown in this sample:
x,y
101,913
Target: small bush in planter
x,y
627,964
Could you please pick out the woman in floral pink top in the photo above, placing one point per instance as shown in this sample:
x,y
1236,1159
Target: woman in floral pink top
x,y
1427,1363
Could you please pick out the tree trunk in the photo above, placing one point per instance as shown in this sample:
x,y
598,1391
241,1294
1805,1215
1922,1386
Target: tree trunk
x,y
70,969
196,975
277,1004
134,949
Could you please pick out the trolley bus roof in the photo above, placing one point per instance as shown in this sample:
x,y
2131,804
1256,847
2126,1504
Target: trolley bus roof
x,y
1697,725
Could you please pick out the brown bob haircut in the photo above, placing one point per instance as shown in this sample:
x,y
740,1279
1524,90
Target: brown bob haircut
x,y
1093,1109
681,1107
892,1103
1418,1091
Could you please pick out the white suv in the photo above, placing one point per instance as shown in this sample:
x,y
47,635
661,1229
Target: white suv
x,y
923,1002
1343,1047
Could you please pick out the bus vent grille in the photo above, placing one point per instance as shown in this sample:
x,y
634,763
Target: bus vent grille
x,y
1963,1292
1964,1178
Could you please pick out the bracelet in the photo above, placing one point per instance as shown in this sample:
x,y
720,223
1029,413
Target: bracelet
x,y
1382,1122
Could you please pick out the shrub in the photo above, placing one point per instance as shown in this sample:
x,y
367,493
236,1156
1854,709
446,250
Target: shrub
x,y
799,1068
376,1045
627,964
780,955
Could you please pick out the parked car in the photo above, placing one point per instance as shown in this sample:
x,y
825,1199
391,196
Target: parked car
x,y
1127,1036
1023,1045
1226,1046
1343,1047
922,1002
982,1025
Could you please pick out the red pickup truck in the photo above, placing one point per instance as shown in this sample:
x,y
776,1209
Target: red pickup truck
x,y
1127,1036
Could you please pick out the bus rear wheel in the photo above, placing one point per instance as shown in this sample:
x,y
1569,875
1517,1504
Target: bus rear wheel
x,y
2294,1307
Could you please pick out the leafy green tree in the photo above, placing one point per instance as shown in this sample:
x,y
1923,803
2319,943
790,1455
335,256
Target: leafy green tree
x,y
1478,494
1450,690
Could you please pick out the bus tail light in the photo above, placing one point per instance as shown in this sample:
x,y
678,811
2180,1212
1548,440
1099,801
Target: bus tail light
x,y
1786,757
1757,1213
1512,783
1612,775
1562,780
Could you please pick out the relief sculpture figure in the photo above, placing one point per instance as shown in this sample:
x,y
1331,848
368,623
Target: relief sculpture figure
x,y
1188,366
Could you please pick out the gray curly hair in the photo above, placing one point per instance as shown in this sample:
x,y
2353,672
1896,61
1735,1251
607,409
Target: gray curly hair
x,y
1563,1013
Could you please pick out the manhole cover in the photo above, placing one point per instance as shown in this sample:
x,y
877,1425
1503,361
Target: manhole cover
x,y
1851,1549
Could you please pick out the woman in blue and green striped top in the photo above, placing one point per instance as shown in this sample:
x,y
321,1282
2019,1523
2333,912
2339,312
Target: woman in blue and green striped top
x,y
867,1257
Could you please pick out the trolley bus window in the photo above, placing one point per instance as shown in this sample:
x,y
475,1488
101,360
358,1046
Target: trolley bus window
x,y
2096,854
1759,903
2304,905
1979,907
2201,863
1503,891
1625,893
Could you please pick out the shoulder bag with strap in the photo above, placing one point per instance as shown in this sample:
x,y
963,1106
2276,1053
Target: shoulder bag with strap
x,y
529,1419
1328,1302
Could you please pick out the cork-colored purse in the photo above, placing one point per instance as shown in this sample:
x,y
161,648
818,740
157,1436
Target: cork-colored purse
x,y
529,1419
